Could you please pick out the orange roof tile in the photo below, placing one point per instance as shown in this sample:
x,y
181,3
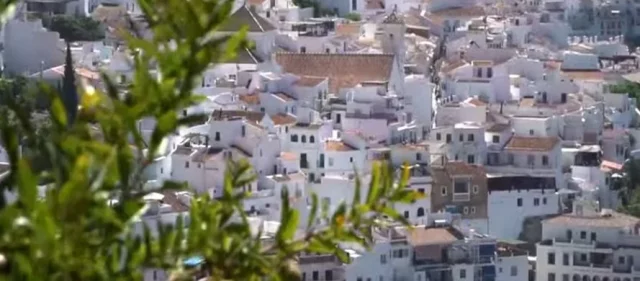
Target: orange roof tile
x,y
343,70
251,99
584,75
282,119
348,29
467,12
309,81
532,143
337,146
433,236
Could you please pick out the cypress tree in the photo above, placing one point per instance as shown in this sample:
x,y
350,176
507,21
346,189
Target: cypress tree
x,y
69,94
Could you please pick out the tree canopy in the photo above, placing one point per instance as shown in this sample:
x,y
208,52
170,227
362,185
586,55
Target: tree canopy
x,y
75,28
79,225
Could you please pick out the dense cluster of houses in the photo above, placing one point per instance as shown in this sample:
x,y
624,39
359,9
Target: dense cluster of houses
x,y
502,109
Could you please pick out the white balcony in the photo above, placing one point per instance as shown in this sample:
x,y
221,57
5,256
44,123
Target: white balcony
x,y
461,197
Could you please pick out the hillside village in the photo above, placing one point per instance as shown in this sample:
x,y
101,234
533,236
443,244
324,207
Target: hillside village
x,y
505,111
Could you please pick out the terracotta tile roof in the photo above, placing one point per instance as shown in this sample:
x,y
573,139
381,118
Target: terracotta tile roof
x,y
452,66
252,116
343,70
245,17
332,145
532,143
251,99
348,29
497,127
584,75
453,13
309,81
433,236
289,156
284,96
458,168
476,102
617,220
611,166
282,119
175,203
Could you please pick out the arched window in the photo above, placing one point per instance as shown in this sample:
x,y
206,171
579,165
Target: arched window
x,y
303,139
420,212
312,139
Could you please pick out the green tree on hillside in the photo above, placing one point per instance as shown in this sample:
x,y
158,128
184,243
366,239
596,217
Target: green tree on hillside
x,y
77,232
75,28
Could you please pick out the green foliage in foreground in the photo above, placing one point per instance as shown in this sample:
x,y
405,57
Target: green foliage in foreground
x,y
73,234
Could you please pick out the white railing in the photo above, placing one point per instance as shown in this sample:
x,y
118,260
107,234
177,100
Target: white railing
x,y
461,197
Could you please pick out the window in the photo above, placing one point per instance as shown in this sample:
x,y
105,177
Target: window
x,y
421,191
489,72
514,270
583,235
531,132
461,186
551,276
294,138
544,200
519,202
475,189
438,136
217,138
406,214
461,137
621,260
470,137
383,259
473,210
155,275
354,5
471,159
536,201
565,277
463,274
315,275
593,236
303,139
359,279
350,159
465,210
420,212
328,275
495,139
551,258
479,72
184,113
565,259
186,164
312,139
531,159
448,138
444,190
545,160
303,49
286,129
418,156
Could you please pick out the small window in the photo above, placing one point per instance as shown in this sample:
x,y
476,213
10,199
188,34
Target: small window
x,y
583,235
184,112
383,259
418,156
531,160
420,212
473,210
217,138
551,276
330,161
303,139
519,201
315,275
186,164
438,136
303,49
544,200
463,274
495,139
471,159
448,138
406,214
443,190
545,160
621,260
514,270
531,132
593,236
312,139
465,210
470,137
461,137
551,258
294,138
536,201
475,189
